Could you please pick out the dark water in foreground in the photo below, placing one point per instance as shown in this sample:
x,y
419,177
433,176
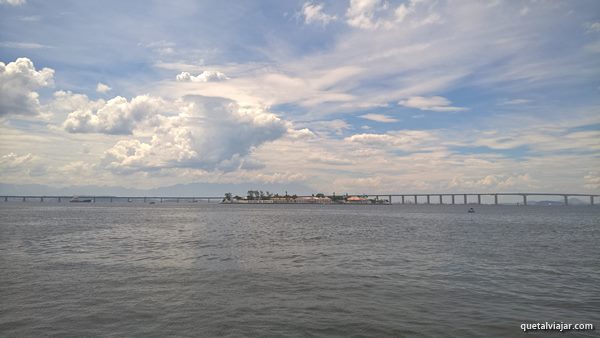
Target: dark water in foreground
x,y
293,270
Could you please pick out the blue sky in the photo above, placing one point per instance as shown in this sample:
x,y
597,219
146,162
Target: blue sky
x,y
365,95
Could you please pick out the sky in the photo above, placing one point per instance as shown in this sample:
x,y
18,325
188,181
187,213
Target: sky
x,y
359,96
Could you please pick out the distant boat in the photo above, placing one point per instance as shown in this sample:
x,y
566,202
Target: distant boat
x,y
77,199
471,211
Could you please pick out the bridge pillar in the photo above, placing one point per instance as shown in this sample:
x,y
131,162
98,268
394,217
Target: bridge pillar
x,y
161,200
59,199
144,199
452,199
524,199
428,202
403,200
94,199
6,199
591,199
41,199
416,199
465,198
441,202
178,200
566,200
478,198
496,199
111,200
209,200
23,199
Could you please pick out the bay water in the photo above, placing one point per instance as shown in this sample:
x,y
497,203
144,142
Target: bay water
x,y
192,269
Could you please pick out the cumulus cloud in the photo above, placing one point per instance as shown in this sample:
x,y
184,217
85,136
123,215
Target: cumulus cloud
x,y
361,13
115,116
432,103
379,118
207,133
27,164
313,13
205,76
13,2
102,88
19,81
373,14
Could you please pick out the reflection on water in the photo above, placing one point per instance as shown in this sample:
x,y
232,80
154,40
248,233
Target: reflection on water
x,y
294,270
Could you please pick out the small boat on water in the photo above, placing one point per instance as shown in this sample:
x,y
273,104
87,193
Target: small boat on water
x,y
77,199
471,211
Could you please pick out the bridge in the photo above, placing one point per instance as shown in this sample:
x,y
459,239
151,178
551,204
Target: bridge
x,y
455,198
451,198
111,199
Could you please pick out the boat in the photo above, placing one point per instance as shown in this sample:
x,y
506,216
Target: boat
x,y
471,211
77,199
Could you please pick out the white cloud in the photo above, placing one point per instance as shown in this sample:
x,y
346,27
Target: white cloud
x,y
432,103
374,14
205,76
207,133
361,13
115,116
19,81
313,13
593,27
379,118
406,140
13,2
102,88
498,182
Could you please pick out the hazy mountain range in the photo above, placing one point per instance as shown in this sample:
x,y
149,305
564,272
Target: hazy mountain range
x,y
183,190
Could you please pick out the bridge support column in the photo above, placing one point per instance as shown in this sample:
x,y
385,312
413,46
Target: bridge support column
x,y
23,199
94,199
59,199
566,200
208,200
178,200
478,199
496,199
161,200
524,199
592,200
111,200
390,199
6,199
416,201
41,199
453,199
403,200
144,199
428,202
465,198
441,202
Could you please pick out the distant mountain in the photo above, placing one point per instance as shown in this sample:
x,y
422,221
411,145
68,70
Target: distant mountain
x,y
181,190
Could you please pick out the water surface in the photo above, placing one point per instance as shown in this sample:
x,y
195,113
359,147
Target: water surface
x,y
294,270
